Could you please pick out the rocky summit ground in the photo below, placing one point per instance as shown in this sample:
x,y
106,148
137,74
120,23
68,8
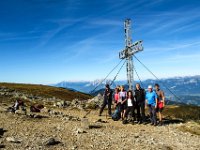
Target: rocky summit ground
x,y
67,129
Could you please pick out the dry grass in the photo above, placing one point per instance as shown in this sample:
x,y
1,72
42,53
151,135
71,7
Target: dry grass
x,y
186,113
192,127
46,91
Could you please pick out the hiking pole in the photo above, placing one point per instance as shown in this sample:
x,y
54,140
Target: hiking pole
x,y
87,113
106,115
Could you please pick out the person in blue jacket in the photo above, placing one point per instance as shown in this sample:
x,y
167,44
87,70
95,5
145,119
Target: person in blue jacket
x,y
152,100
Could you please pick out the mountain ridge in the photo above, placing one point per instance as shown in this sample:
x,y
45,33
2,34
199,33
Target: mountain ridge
x,y
188,87
39,91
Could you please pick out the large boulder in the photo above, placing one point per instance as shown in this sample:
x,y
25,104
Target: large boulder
x,y
77,104
95,102
62,104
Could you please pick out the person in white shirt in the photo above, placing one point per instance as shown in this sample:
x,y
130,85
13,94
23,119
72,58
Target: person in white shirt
x,y
130,104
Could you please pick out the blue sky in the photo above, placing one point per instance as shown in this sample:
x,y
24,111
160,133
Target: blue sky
x,y
48,41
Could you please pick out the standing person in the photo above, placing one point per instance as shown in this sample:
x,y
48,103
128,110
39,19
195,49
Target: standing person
x,y
122,100
107,100
151,98
118,87
116,97
140,103
161,102
130,104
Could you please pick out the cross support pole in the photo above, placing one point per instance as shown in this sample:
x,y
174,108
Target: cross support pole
x,y
130,50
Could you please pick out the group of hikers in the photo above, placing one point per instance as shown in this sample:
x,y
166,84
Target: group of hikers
x,y
127,104
132,103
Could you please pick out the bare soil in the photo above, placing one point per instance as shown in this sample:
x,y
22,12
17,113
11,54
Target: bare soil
x,y
32,133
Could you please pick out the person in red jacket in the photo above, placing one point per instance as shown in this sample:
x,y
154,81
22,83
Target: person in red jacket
x,y
116,97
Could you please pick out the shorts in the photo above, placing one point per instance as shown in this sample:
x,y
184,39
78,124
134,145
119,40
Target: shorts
x,y
160,107
123,106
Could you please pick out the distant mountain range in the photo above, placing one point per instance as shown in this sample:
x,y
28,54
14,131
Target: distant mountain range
x,y
186,88
88,86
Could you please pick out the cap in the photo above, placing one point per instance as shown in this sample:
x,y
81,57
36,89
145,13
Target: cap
x,y
150,87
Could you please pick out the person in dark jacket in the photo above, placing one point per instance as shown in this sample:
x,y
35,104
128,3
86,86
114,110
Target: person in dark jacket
x,y
36,108
140,103
107,100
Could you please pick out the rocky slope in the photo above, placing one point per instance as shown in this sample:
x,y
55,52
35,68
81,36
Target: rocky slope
x,y
69,128
73,124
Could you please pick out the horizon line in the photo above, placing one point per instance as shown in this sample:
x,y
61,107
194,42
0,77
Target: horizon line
x,y
76,81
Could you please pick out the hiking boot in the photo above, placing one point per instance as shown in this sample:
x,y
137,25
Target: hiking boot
x,y
132,122
124,121
160,123
155,124
144,123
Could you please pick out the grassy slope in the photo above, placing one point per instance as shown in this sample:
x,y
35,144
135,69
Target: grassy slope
x,y
185,112
46,91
